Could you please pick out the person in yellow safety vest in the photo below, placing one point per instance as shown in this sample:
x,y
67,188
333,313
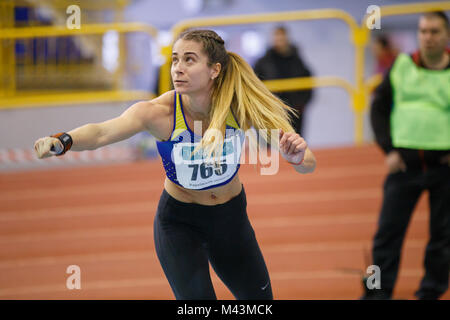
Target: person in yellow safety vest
x,y
410,116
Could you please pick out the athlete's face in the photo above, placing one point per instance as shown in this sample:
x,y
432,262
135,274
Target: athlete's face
x,y
190,70
433,35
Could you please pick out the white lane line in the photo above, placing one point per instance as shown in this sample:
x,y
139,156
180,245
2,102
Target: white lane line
x,y
270,198
65,235
148,185
85,286
258,223
315,196
334,246
80,211
322,246
155,282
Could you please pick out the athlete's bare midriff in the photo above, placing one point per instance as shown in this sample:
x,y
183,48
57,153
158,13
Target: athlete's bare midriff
x,y
207,197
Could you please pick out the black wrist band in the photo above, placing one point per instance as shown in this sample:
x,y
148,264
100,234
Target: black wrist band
x,y
66,141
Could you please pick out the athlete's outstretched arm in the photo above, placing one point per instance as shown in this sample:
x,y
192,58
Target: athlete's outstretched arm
x,y
95,135
141,116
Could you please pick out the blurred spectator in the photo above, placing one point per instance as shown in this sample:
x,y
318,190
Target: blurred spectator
x,y
280,61
384,53
410,117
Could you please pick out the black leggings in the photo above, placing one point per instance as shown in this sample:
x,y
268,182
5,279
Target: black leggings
x,y
188,235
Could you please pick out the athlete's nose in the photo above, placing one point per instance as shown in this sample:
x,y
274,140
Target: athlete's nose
x,y
178,68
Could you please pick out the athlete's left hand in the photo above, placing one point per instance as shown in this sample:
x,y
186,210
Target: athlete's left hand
x,y
292,146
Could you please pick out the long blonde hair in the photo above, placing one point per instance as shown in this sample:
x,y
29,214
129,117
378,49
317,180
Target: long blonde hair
x,y
237,87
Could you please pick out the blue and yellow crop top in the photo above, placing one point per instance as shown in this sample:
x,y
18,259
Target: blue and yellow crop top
x,y
192,171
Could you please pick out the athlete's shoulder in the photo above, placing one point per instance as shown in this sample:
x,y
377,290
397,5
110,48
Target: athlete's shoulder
x,y
161,105
166,99
156,114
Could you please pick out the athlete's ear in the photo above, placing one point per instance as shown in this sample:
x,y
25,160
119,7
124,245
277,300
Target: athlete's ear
x,y
215,70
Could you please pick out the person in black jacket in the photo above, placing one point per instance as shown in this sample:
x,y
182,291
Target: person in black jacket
x,y
282,61
410,116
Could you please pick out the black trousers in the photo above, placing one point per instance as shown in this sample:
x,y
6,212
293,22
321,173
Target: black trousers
x,y
188,236
401,193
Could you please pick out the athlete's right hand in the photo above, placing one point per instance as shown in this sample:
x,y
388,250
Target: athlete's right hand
x,y
43,147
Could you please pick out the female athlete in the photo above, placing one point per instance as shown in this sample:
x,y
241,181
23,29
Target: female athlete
x,y
201,216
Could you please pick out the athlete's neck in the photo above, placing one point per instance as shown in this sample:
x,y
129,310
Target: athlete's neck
x,y
198,106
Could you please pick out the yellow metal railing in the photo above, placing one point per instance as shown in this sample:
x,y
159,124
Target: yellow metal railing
x,y
7,59
54,31
33,98
51,66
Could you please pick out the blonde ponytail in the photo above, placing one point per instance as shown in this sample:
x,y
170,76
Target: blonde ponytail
x,y
251,102
237,87
255,105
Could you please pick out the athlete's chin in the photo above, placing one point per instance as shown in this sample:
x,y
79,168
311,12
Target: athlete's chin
x,y
185,90
181,88
190,88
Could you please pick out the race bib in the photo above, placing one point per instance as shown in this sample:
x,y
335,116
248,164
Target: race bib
x,y
195,172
